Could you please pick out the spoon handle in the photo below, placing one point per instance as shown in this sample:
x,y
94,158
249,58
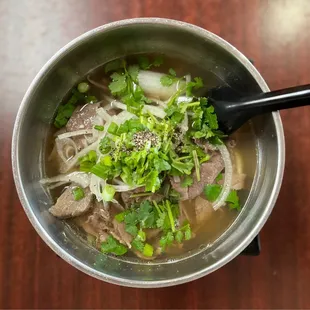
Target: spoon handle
x,y
287,98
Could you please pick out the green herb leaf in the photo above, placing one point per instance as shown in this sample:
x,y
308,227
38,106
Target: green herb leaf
x,y
99,127
77,193
233,200
108,192
212,191
179,235
187,181
113,128
187,232
193,85
138,244
118,84
111,245
166,240
219,177
146,215
167,80
88,161
148,250
105,145
133,72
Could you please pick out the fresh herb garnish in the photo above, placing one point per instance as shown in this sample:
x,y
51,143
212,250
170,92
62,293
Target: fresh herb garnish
x,y
187,181
169,79
212,191
77,193
108,192
99,127
111,245
146,64
88,161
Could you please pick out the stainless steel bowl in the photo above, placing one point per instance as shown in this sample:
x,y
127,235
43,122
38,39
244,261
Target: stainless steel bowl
x,y
96,47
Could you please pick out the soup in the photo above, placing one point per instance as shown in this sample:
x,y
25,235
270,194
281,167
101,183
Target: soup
x,y
137,162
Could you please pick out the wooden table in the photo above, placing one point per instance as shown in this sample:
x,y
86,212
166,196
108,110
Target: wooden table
x,y
276,35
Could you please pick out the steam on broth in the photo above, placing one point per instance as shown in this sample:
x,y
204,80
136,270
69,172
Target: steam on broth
x,y
137,162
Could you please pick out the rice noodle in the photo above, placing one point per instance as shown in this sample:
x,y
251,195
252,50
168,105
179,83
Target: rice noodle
x,y
57,185
80,178
119,105
74,133
101,112
158,101
220,201
73,161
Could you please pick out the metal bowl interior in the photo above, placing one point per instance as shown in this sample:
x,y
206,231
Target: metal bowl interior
x,y
73,62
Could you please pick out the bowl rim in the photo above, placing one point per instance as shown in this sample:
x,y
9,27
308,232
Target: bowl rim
x,y
79,264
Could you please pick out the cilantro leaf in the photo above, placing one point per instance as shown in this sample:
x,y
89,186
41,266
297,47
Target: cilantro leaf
x,y
179,235
193,85
138,244
187,181
233,200
187,232
146,215
145,63
212,191
167,80
172,72
166,240
219,177
113,246
133,72
118,84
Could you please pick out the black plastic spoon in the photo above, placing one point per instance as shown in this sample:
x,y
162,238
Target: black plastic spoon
x,y
232,115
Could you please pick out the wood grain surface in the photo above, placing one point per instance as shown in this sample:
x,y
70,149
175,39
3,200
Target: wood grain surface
x,y
276,34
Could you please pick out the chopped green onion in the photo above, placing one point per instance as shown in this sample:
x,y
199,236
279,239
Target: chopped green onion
x,y
142,235
106,160
77,193
148,250
113,128
83,87
99,127
197,165
108,193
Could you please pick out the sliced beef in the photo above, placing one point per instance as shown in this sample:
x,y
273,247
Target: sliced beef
x,y
208,172
176,185
67,207
119,231
97,222
128,201
82,118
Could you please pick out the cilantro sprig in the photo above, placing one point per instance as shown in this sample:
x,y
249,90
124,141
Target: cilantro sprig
x,y
212,191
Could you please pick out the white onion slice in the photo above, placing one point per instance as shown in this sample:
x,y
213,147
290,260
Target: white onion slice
x,y
101,112
60,144
220,201
73,161
75,133
80,178
156,111
152,87
95,184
